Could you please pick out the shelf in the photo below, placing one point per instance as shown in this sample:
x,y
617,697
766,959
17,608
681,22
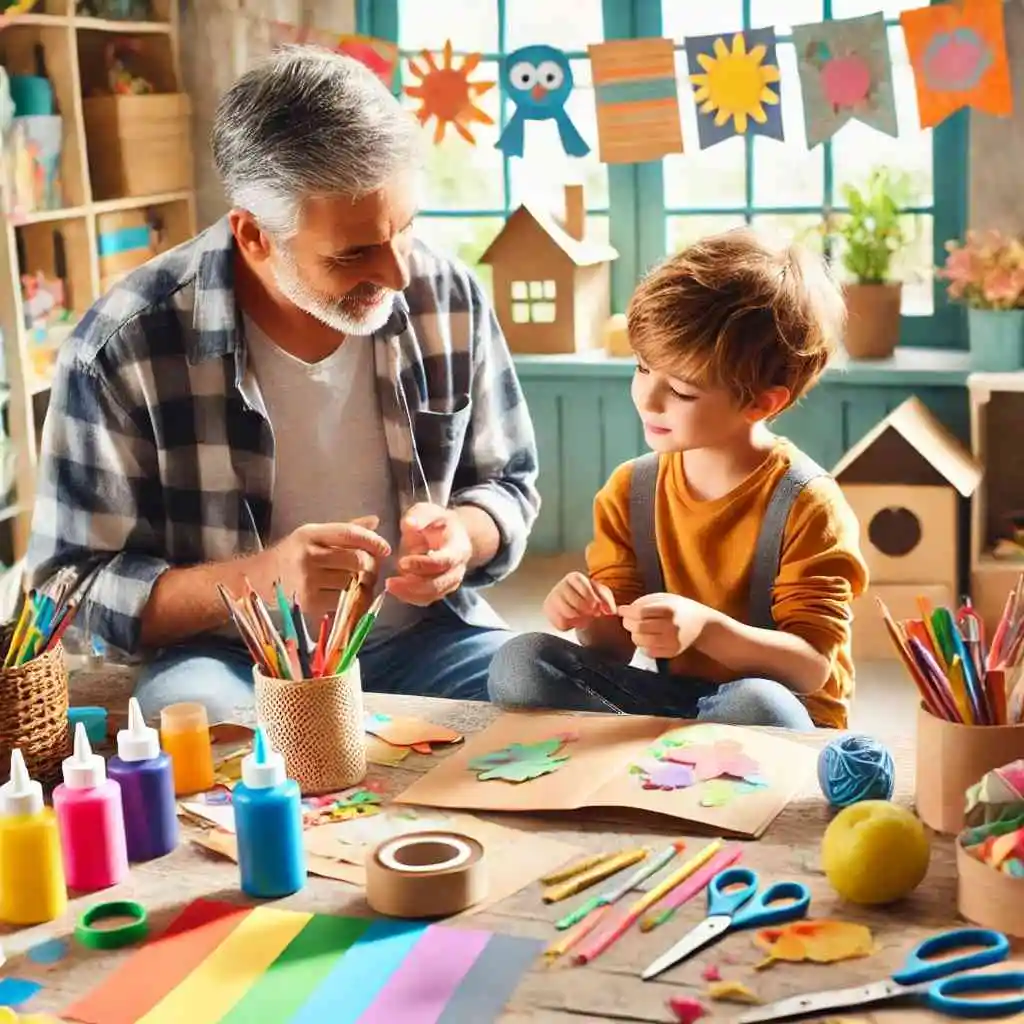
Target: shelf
x,y
48,216
989,563
140,203
37,244
34,20
123,28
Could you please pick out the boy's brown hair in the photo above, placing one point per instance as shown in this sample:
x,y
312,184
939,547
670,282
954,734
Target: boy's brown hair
x,y
732,311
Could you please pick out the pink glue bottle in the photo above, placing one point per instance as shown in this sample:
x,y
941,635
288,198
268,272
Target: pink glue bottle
x,y
90,820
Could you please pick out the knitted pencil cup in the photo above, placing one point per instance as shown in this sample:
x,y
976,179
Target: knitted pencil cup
x,y
318,726
855,768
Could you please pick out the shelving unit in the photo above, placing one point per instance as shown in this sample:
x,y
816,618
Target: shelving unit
x,y
74,48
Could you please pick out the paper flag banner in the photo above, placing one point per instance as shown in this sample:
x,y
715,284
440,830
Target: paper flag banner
x,y
958,52
845,74
224,964
538,80
637,99
446,93
379,55
736,84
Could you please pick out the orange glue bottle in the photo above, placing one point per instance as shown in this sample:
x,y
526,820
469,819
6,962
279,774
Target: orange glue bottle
x,y
185,735
32,888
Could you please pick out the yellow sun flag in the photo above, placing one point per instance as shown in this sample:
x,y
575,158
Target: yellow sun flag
x,y
735,83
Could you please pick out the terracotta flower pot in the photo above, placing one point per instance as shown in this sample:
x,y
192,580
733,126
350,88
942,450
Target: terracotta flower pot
x,y
873,320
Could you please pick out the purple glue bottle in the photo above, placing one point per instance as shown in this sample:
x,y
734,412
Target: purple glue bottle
x,y
147,789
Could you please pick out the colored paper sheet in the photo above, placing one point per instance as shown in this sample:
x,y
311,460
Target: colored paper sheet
x,y
447,94
419,990
637,98
736,83
490,982
845,74
379,55
352,985
539,81
17,991
231,970
165,961
298,971
958,52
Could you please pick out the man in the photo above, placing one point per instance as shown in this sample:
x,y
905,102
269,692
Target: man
x,y
301,393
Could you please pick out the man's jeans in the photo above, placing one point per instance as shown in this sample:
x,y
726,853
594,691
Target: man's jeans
x,y
536,670
440,656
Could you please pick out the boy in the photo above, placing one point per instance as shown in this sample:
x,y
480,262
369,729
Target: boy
x,y
726,555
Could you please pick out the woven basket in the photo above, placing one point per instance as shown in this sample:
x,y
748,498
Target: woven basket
x,y
318,726
34,712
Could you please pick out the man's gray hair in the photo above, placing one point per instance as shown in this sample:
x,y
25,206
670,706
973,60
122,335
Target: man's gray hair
x,y
307,122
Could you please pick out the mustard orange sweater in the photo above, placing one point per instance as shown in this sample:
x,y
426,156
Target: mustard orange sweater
x,y
707,554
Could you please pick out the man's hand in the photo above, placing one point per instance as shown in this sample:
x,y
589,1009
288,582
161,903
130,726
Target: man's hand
x,y
317,561
576,600
435,552
665,625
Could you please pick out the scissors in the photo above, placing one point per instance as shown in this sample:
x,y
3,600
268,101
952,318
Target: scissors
x,y
917,979
728,892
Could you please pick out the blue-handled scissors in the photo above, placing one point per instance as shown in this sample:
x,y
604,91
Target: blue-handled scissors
x,y
929,976
735,902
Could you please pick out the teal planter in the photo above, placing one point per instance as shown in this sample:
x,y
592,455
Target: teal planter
x,y
997,339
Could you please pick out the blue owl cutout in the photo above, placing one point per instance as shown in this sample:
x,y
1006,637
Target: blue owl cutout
x,y
538,80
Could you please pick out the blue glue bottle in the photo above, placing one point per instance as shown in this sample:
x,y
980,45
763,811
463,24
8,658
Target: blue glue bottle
x,y
268,824
144,773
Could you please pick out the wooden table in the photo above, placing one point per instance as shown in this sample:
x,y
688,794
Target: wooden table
x,y
608,990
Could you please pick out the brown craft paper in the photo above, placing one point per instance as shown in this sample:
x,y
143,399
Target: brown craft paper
x,y
597,774
951,758
988,897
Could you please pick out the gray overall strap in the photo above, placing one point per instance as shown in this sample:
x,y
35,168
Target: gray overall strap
x,y
768,553
643,489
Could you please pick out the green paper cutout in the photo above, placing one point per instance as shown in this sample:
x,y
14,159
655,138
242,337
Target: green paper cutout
x,y
719,792
520,762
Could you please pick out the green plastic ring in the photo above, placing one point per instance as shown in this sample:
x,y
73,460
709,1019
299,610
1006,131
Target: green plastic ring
x,y
112,938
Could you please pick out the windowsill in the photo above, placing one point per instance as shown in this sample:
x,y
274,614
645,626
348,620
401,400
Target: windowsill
x,y
931,366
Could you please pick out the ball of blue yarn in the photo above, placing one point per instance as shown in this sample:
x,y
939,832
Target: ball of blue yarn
x,y
855,768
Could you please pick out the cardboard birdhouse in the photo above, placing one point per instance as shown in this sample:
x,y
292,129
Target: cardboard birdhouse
x,y
552,285
904,480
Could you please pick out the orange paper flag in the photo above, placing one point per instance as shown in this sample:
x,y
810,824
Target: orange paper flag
x,y
958,51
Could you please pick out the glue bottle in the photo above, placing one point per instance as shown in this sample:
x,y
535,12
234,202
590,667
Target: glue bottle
x,y
90,820
268,824
185,733
32,888
147,789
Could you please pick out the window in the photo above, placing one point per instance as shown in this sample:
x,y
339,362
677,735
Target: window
x,y
646,210
533,302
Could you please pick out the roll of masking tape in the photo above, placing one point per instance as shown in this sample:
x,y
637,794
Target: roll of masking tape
x,y
427,874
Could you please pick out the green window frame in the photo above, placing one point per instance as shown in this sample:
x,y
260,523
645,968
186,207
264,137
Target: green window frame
x,y
637,209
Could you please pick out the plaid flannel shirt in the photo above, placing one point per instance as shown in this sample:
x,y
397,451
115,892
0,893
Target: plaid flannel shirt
x,y
157,452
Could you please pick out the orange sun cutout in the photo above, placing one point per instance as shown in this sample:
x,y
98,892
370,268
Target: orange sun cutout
x,y
447,94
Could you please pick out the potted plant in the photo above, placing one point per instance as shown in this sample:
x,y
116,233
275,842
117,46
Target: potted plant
x,y
872,234
986,272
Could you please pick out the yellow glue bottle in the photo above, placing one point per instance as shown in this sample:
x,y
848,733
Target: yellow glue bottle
x,y
32,888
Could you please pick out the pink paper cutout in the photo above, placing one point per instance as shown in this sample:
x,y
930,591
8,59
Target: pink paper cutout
x,y
668,775
713,761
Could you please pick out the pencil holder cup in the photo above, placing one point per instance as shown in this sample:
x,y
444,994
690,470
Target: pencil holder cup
x,y
318,726
987,897
34,712
951,758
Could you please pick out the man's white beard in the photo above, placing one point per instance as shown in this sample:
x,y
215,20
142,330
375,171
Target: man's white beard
x,y
330,313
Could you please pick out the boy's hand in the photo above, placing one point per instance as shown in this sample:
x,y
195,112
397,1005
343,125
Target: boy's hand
x,y
576,601
664,625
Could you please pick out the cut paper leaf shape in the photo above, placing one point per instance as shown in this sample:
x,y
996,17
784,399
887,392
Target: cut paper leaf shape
x,y
736,84
733,992
666,775
446,93
845,73
715,760
358,803
637,99
822,942
520,762
958,52
406,731
379,55
538,80
719,792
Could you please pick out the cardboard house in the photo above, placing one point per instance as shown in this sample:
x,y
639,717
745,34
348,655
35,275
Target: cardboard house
x,y
552,285
904,480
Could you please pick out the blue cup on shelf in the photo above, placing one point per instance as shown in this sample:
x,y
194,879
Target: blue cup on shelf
x,y
32,96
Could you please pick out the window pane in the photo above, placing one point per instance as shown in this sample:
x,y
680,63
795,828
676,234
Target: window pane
x,y
470,26
459,176
858,148
788,228
462,237
855,8
682,231
544,169
787,173
784,14
681,18
714,177
567,26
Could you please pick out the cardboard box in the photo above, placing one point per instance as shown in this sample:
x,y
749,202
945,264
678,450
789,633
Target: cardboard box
x,y
988,898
